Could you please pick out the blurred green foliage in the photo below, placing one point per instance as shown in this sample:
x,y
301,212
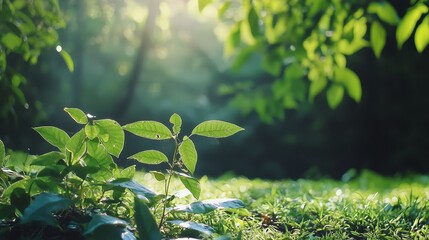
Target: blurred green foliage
x,y
27,28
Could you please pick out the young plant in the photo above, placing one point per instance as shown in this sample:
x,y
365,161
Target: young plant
x,y
79,192
182,163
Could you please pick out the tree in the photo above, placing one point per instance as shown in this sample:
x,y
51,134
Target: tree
x,y
303,46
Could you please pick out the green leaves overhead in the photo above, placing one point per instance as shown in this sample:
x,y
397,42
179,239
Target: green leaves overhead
x,y
408,23
54,136
378,38
43,206
112,136
335,95
188,153
202,4
150,157
350,81
149,129
216,129
384,11
11,41
145,222
421,38
78,115
67,59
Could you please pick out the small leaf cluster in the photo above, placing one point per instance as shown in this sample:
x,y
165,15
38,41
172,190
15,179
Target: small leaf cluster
x,y
78,190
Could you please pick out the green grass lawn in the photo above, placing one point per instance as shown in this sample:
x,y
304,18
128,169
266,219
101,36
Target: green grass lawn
x,y
367,207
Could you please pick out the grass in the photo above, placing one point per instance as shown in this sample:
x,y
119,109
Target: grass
x,y
368,207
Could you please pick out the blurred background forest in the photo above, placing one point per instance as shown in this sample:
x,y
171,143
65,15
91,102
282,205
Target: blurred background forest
x,y
144,60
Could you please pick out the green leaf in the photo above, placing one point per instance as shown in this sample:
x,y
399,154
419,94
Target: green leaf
x,y
335,95
202,4
421,38
43,206
188,153
127,173
76,143
216,129
99,220
78,115
192,184
223,9
91,131
378,38
317,86
2,152
253,22
176,120
385,11
54,136
23,183
67,59
47,159
134,187
202,228
206,206
408,23
350,81
114,143
150,157
11,41
158,175
145,221
149,129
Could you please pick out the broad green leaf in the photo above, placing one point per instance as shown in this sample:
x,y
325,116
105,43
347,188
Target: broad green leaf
x,y
202,4
150,157
334,95
206,206
78,115
127,173
67,59
158,175
232,40
76,143
91,131
145,221
100,220
23,183
43,206
408,23
47,159
421,38
350,81
378,38
202,228
385,11
176,120
253,22
216,129
11,41
134,187
149,129
316,87
192,184
188,153
54,136
114,143
2,152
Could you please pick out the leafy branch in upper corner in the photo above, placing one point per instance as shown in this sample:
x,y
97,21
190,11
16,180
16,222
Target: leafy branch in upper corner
x,y
79,192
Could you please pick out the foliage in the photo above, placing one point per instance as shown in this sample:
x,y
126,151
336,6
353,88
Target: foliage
x,y
28,28
304,45
78,191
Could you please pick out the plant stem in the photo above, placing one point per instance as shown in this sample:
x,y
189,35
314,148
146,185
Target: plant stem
x,y
168,181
